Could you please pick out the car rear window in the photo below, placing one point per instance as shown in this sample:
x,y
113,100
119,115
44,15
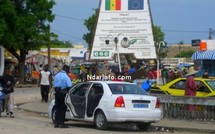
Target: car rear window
x,y
126,89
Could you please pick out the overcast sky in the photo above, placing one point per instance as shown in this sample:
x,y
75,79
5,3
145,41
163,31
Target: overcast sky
x,y
180,20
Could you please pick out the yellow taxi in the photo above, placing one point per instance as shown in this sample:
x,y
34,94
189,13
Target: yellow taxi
x,y
205,87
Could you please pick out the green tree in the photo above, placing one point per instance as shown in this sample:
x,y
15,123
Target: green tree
x,y
185,54
90,23
158,38
24,26
179,47
59,44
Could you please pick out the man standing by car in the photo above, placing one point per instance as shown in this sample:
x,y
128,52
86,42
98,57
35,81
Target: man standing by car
x,y
62,84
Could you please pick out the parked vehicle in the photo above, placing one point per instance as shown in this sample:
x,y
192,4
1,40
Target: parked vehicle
x,y
157,91
104,102
205,87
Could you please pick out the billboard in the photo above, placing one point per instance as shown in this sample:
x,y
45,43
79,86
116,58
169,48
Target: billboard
x,y
121,22
195,42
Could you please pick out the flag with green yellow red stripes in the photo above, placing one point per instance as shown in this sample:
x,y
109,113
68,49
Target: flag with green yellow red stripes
x,y
112,4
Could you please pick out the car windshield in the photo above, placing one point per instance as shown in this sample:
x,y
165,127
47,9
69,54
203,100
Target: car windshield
x,y
211,83
126,89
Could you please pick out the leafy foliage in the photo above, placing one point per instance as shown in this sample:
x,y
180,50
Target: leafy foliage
x,y
90,23
59,44
24,26
185,54
158,38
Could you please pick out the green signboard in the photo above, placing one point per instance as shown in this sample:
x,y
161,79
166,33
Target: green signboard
x,y
101,53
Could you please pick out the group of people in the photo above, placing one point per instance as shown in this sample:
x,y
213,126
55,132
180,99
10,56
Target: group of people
x,y
61,83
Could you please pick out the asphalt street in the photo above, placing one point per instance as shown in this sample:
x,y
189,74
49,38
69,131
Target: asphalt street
x,y
28,99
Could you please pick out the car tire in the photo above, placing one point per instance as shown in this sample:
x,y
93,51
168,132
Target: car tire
x,y
144,126
53,114
101,121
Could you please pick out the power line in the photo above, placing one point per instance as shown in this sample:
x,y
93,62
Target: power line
x,y
71,18
167,30
66,34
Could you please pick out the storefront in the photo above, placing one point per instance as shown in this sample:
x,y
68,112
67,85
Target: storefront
x,y
204,60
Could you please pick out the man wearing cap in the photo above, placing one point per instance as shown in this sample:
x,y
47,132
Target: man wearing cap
x,y
62,84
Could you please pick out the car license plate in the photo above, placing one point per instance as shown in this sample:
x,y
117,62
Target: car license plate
x,y
140,105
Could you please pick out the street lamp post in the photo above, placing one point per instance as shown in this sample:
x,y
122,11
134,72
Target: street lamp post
x,y
116,40
162,43
117,51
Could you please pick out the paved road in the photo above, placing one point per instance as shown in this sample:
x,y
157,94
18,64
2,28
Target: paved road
x,y
34,123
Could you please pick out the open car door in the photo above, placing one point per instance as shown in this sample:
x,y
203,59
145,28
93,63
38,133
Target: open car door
x,y
76,100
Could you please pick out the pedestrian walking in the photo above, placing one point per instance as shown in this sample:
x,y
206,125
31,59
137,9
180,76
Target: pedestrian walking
x,y
82,72
165,75
7,83
45,83
62,84
190,87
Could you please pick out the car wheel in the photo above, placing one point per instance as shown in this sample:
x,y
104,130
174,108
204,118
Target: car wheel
x,y
53,114
144,126
101,121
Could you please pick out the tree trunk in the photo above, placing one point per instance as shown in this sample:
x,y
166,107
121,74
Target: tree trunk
x,y
21,66
21,75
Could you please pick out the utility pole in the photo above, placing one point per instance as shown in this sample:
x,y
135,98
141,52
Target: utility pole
x,y
48,47
211,32
179,45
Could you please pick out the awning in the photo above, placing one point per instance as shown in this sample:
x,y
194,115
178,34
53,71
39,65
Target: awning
x,y
182,65
204,55
77,58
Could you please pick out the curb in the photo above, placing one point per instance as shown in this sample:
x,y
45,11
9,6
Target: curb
x,y
172,129
19,107
25,85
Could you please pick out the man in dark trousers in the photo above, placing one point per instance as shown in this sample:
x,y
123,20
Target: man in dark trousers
x,y
45,83
62,84
8,82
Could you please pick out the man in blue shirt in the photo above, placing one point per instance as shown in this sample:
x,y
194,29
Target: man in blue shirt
x,y
62,84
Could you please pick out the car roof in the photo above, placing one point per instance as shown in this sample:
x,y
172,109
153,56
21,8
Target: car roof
x,y
196,78
111,82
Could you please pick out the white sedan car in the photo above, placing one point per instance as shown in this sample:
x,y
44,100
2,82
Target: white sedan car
x,y
105,102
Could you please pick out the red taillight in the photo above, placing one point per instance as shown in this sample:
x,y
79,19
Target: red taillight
x,y
157,103
119,102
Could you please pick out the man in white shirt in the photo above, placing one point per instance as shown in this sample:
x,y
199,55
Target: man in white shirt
x,y
45,83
